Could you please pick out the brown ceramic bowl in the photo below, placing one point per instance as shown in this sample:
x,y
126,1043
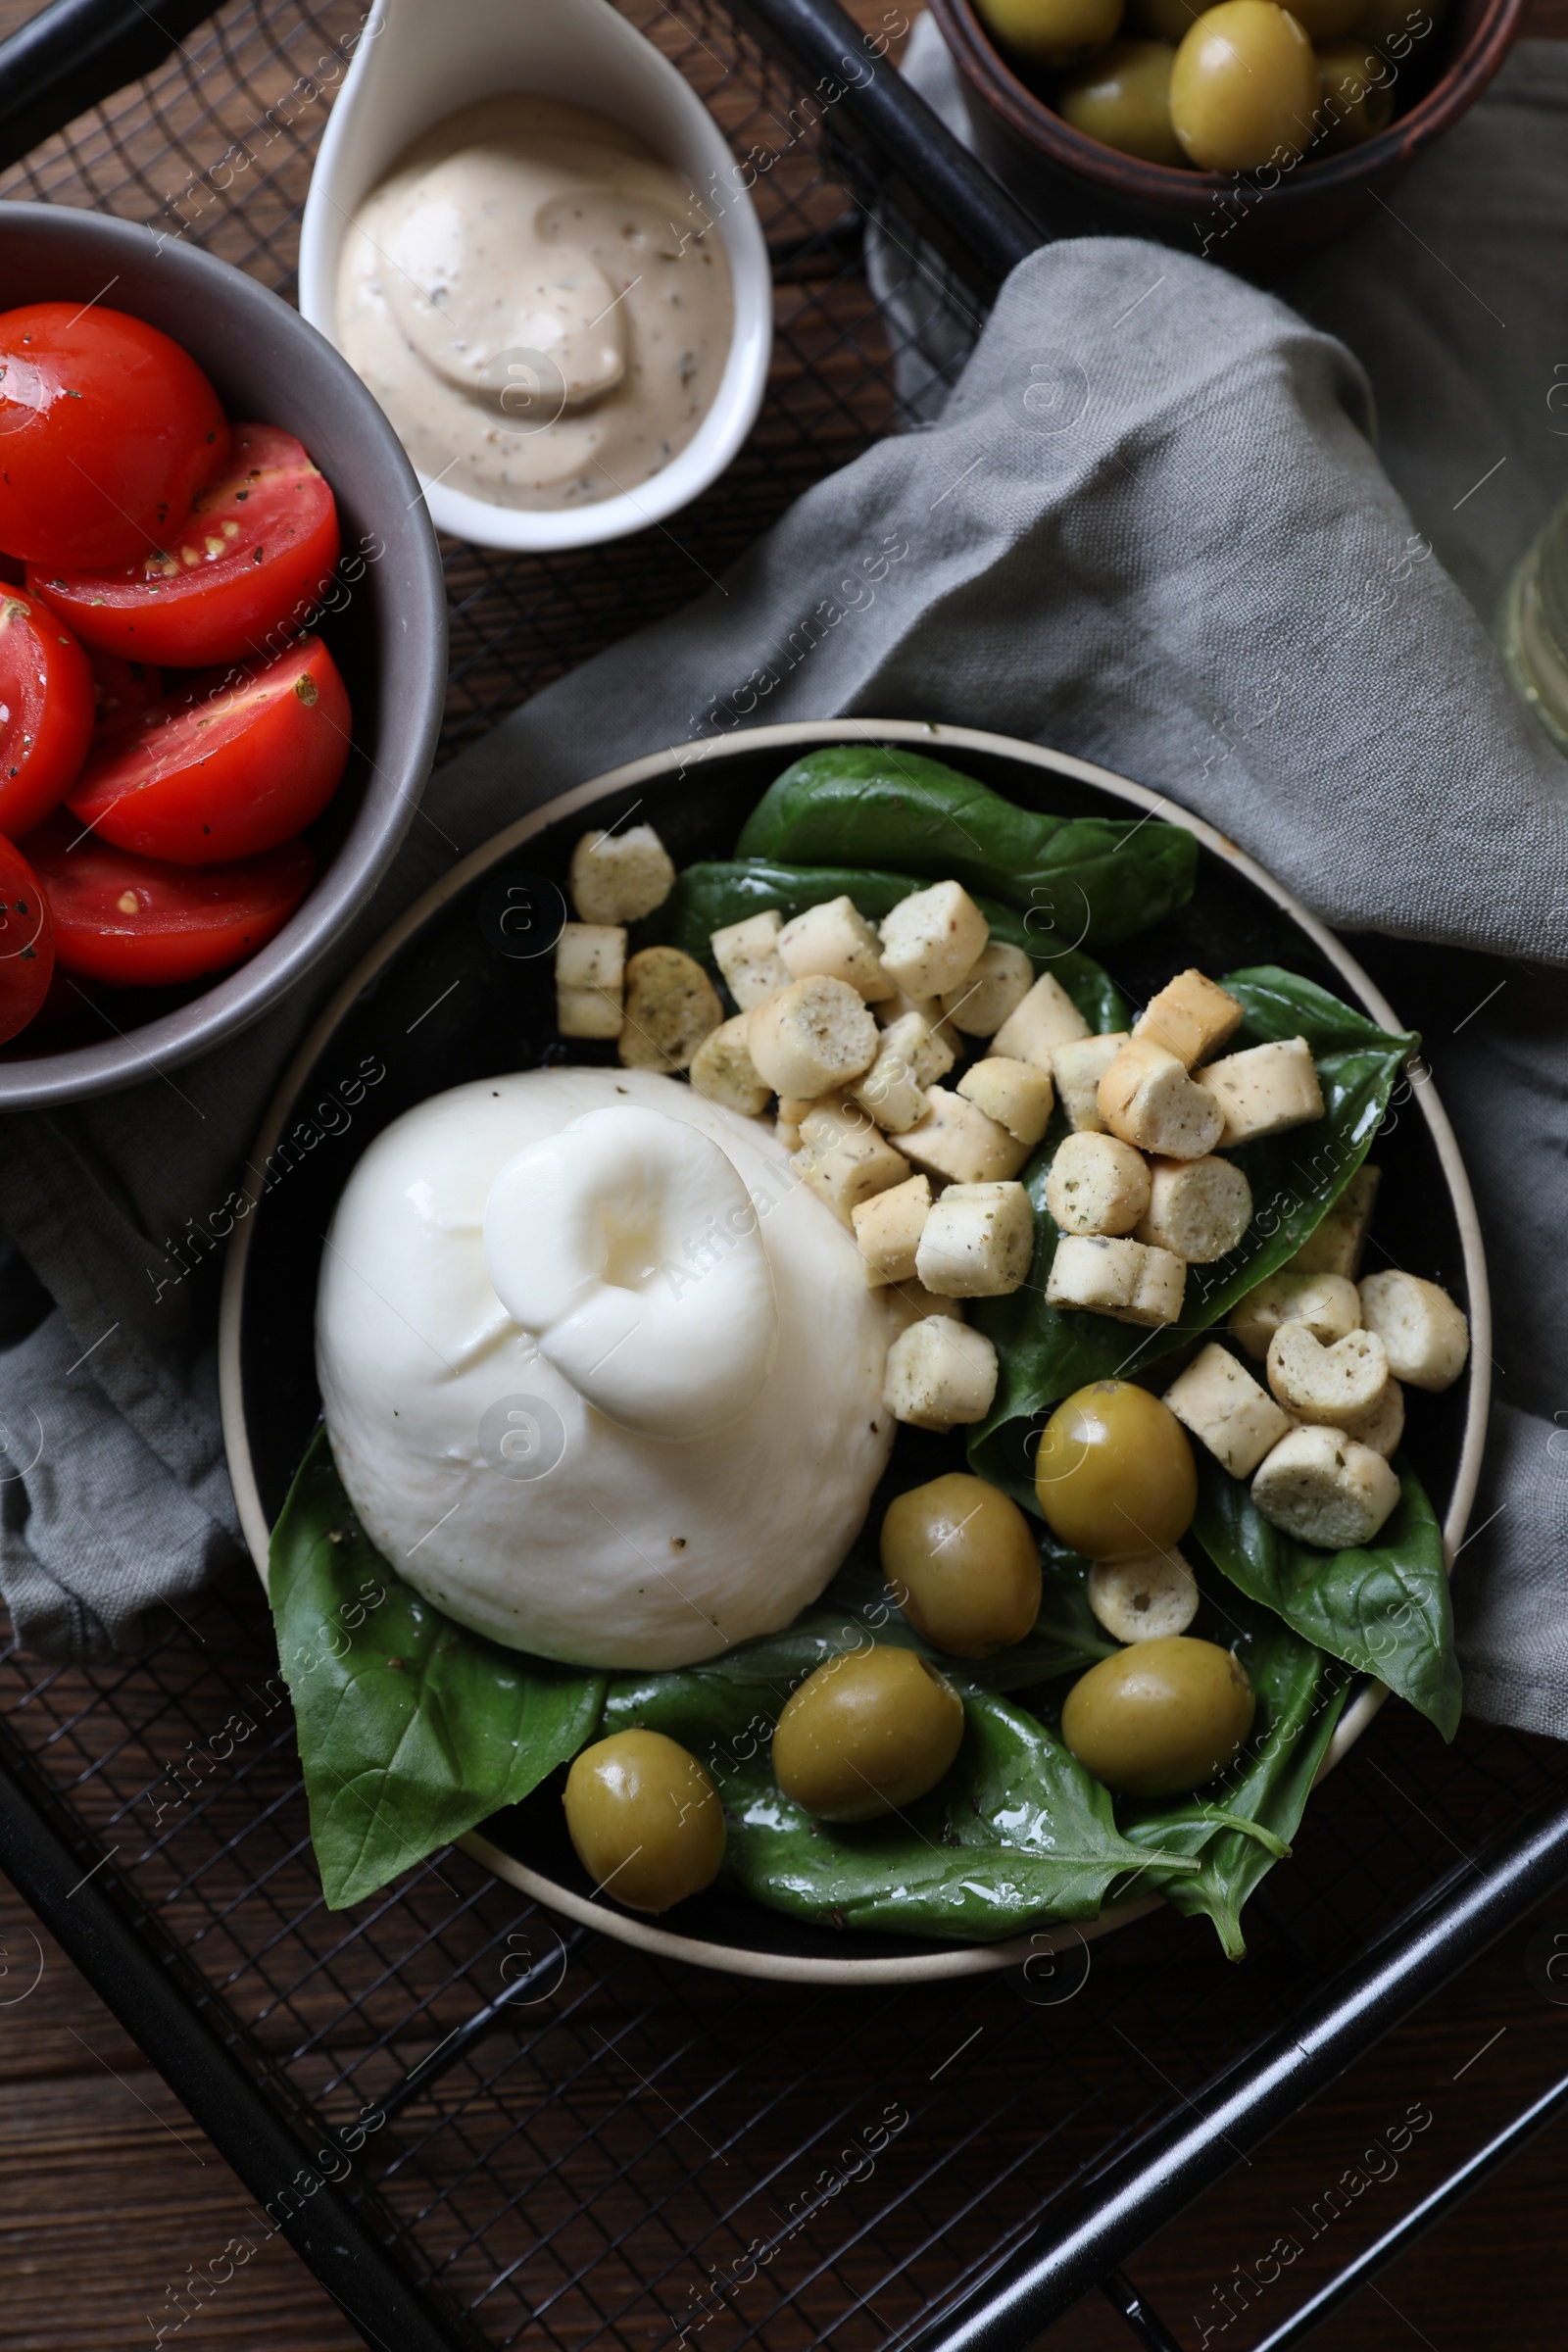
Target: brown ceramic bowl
x,y
1075,186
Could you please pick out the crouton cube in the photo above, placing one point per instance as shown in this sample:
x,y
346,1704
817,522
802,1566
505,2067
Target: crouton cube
x,y
1227,1410
620,877
1191,1017
930,1051
906,1303
1384,1426
891,1090
811,1035
1264,1089
722,1069
1144,1599
835,938
889,1010
1424,1333
590,977
672,1005
844,1160
1123,1278
1097,1184
1325,1303
1337,1245
888,1228
977,1242
1077,1069
1339,1384
1017,1094
1198,1208
1326,1488
957,1142
1148,1098
994,987
931,938
940,1374
747,953
1046,1018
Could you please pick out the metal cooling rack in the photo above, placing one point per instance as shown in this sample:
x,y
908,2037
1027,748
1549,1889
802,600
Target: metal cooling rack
x,y
513,2136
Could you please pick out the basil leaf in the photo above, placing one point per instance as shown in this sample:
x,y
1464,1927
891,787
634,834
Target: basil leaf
x,y
855,1610
708,897
1086,878
411,1728
1017,1833
1381,1607
1045,1352
1300,1696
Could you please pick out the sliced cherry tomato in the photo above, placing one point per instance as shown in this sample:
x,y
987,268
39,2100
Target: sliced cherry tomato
x,y
46,714
136,922
254,559
26,942
224,770
122,692
107,432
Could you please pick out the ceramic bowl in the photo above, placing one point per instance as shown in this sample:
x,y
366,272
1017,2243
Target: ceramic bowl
x,y
1073,185
498,1013
388,637
417,65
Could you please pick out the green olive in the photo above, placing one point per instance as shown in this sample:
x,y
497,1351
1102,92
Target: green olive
x,y
1122,98
866,1733
644,1818
1244,88
1115,1473
963,1564
1358,93
1160,1718
1163,19
1051,32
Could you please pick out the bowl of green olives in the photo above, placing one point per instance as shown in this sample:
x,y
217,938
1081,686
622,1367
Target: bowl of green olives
x,y
1242,129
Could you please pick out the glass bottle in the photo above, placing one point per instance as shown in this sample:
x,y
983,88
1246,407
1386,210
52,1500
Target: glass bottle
x,y
1533,628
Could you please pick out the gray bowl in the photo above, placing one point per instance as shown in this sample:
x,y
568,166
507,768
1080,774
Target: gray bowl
x,y
389,640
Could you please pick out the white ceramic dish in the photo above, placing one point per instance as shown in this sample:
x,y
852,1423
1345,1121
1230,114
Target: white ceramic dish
x,y
265,1348
418,64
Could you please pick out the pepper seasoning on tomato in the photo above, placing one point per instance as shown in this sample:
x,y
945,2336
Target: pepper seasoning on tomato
x,y
243,575
46,714
225,769
107,431
138,922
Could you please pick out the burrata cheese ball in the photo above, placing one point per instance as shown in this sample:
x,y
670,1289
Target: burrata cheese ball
x,y
675,1452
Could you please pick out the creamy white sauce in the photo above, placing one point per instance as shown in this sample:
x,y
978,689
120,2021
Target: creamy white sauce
x,y
540,305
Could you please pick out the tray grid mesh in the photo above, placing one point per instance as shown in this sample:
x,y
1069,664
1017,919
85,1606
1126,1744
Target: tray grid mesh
x,y
628,2134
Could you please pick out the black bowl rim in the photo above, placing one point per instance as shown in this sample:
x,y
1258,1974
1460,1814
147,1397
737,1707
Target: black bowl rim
x,y
392,794
928,736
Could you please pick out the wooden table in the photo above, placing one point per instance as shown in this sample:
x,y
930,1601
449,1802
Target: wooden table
x,y
108,2191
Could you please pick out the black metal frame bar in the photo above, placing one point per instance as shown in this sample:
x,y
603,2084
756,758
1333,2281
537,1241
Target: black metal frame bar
x,y
1129,2201
75,53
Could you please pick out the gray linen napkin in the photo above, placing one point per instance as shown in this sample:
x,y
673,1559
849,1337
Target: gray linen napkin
x,y
1149,528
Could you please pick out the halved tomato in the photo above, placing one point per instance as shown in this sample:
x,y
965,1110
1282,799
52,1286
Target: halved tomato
x,y
45,713
136,922
122,693
107,431
26,942
241,578
222,771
